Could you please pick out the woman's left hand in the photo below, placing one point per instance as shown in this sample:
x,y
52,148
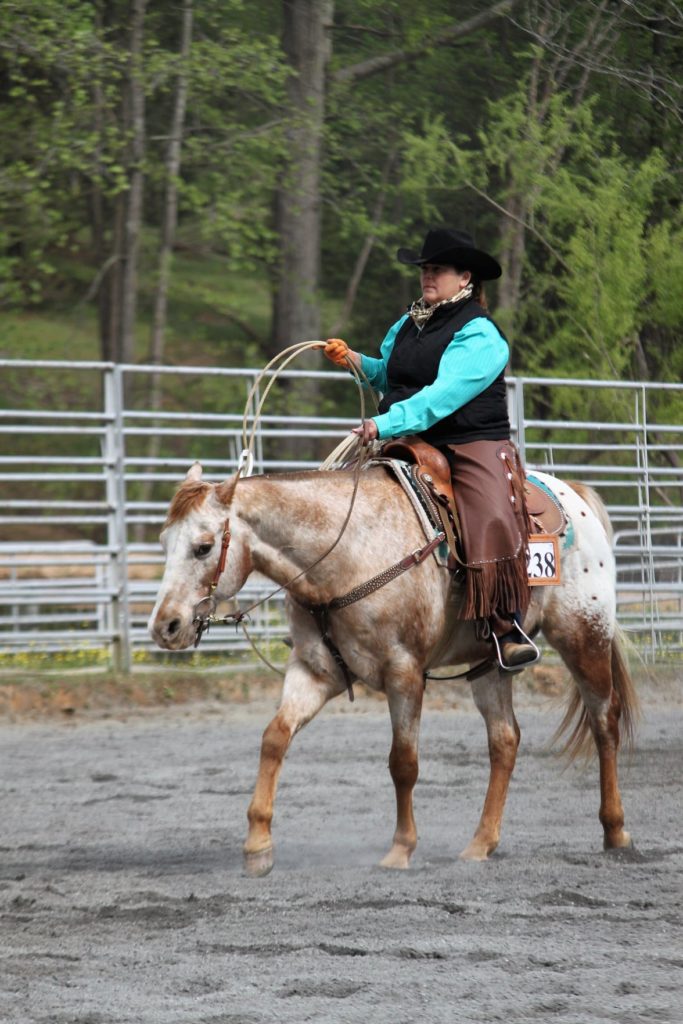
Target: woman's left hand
x,y
367,431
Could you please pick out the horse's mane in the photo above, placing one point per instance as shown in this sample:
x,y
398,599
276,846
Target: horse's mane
x,y
296,475
189,495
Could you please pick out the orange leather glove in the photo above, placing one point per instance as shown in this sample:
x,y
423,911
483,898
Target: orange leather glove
x,y
336,351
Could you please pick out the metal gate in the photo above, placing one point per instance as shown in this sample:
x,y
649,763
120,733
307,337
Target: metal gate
x,y
86,474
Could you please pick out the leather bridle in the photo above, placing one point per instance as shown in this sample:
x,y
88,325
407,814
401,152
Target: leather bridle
x,y
202,620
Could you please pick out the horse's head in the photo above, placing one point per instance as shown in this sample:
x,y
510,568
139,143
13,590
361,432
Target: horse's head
x,y
192,538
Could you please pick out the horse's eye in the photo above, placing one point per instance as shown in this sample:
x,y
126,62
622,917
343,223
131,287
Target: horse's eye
x,y
202,550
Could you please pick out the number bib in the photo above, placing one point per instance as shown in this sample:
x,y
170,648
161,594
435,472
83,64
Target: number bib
x,y
543,561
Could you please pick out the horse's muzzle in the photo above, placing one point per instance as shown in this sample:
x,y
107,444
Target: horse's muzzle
x,y
170,632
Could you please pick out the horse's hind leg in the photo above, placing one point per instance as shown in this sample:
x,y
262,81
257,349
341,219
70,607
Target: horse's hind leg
x,y
605,689
405,707
304,694
493,696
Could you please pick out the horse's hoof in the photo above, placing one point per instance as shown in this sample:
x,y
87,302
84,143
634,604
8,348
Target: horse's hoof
x,y
398,859
258,864
621,841
626,854
477,851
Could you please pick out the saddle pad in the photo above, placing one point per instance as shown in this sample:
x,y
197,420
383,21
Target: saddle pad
x,y
401,471
544,510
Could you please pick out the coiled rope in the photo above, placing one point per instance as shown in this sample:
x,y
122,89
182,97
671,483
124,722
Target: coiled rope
x,y
284,358
351,447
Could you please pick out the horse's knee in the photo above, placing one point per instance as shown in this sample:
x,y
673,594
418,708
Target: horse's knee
x,y
503,745
275,740
403,765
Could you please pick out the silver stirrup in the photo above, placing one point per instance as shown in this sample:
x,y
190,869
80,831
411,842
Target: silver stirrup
x,y
515,668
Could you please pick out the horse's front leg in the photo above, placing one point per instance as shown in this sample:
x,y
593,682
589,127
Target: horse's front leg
x,y
405,706
304,694
493,696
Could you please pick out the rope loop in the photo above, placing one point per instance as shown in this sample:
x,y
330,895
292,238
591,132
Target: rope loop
x,y
275,367
349,446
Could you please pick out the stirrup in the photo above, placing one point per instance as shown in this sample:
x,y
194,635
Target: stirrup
x,y
515,668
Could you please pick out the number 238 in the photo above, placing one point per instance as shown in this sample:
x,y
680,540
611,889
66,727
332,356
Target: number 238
x,y
541,563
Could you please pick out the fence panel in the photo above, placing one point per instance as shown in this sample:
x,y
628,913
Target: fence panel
x,y
86,474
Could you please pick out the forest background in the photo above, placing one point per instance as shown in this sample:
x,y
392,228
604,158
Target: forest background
x,y
208,181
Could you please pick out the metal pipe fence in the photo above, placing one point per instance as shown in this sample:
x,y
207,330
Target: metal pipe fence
x,y
87,472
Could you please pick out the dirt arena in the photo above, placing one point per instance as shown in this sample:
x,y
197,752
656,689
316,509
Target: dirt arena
x,y
123,900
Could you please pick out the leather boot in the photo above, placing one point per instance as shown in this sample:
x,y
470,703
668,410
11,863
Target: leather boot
x,y
514,649
514,655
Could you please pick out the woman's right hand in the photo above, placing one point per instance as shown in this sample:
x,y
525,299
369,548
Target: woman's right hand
x,y
337,351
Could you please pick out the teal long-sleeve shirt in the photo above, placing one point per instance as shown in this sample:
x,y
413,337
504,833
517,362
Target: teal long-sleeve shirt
x,y
472,360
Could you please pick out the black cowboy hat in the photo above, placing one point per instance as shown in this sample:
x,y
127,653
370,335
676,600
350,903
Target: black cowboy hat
x,y
453,248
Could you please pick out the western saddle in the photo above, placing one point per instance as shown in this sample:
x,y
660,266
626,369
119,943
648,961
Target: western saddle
x,y
431,473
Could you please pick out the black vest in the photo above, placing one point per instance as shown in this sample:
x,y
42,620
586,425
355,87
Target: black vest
x,y
414,363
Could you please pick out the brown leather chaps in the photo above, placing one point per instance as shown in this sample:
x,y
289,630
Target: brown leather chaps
x,y
488,482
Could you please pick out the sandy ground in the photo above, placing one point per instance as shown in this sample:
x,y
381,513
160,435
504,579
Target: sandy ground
x,y
122,897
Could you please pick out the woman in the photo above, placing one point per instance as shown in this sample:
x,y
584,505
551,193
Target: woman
x,y
441,373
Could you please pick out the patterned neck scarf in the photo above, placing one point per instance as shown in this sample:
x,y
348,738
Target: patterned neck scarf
x,y
420,312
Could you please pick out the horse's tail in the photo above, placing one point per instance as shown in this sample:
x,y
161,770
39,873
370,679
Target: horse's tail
x,y
579,741
622,681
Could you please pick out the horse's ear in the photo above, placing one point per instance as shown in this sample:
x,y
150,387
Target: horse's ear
x,y
225,491
194,473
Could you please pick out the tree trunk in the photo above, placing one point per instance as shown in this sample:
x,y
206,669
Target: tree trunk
x,y
136,181
111,299
170,222
168,231
106,241
513,236
296,315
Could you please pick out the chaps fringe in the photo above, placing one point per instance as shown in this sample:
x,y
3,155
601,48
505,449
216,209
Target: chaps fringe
x,y
497,587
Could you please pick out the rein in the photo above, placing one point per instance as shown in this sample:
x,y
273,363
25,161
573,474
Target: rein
x,y
320,612
203,618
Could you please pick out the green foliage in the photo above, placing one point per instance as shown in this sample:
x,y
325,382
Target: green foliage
x,y
490,131
459,134
371,128
234,143
65,71
52,63
665,259
600,293
605,282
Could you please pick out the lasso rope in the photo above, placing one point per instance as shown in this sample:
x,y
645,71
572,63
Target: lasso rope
x,y
284,358
348,448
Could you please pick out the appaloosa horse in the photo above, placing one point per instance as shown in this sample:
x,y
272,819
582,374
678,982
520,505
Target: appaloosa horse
x,y
280,525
